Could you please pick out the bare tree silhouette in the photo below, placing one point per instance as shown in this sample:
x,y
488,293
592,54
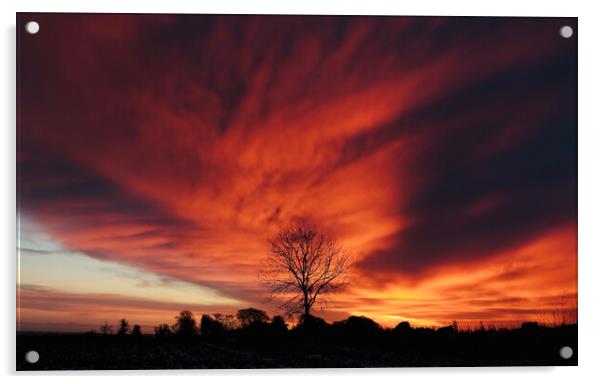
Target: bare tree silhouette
x,y
303,265
228,321
106,329
566,312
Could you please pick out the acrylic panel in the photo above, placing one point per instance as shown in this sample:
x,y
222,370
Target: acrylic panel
x,y
286,191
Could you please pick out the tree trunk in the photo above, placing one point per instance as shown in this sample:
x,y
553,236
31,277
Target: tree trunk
x,y
306,304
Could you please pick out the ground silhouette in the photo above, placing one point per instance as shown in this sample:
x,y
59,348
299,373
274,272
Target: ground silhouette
x,y
256,341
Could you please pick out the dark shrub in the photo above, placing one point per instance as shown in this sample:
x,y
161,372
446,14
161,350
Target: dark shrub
x,y
251,315
258,333
362,325
311,328
356,329
310,322
262,335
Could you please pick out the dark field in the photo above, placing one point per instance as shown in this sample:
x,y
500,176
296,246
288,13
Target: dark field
x,y
264,347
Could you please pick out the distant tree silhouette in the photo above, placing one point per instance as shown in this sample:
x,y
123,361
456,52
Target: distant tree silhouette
x,y
163,330
303,265
278,324
124,327
353,342
403,327
312,323
185,324
358,325
106,329
228,321
356,330
447,330
566,312
211,327
249,316
136,331
529,326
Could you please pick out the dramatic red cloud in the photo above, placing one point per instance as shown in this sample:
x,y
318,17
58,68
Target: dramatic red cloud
x,y
441,152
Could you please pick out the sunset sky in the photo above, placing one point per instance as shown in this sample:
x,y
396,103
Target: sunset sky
x,y
157,153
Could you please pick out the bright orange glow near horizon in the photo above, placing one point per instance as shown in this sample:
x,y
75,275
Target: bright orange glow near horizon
x,y
157,153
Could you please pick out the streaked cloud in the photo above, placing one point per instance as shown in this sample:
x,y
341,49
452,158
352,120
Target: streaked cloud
x,y
168,148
